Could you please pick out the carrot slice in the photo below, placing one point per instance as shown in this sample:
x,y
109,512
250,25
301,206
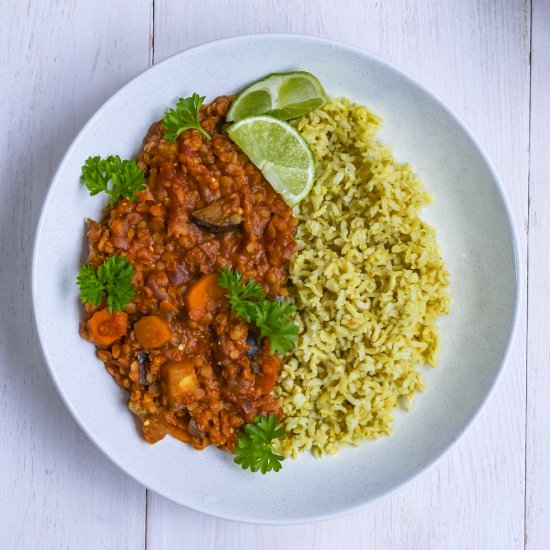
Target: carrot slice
x,y
156,428
104,327
203,296
267,379
152,332
178,433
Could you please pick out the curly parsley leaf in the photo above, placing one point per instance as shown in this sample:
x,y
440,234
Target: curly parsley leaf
x,y
273,318
241,294
184,117
113,277
233,281
254,449
91,290
274,323
118,178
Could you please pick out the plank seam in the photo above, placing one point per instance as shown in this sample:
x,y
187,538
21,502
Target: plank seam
x,y
527,274
153,33
146,517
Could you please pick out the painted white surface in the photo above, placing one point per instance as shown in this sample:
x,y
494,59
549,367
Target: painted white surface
x,y
60,60
538,406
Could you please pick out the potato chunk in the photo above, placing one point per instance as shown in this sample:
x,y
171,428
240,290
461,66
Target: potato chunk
x,y
181,385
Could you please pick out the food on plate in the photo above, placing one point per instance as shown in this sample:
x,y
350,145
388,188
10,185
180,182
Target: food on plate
x,y
280,95
185,116
233,320
112,278
255,447
185,355
118,178
220,215
369,284
280,152
272,319
104,326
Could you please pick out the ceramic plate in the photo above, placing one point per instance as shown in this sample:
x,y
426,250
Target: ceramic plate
x,y
473,227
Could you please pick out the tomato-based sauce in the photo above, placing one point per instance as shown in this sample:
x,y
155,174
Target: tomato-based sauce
x,y
193,368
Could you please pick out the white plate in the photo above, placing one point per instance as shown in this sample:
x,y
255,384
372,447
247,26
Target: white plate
x,y
473,226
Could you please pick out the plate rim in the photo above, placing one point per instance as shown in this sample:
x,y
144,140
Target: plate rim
x,y
518,271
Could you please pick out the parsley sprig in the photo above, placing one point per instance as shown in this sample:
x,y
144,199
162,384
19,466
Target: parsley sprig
x,y
113,277
124,176
241,294
273,318
254,449
184,117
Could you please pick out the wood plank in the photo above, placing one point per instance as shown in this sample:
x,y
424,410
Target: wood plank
x,y
475,55
58,62
537,527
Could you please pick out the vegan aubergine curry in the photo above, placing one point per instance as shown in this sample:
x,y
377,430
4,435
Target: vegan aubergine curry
x,y
194,368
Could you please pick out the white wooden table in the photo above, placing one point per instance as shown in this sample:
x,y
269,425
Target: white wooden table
x,y
489,59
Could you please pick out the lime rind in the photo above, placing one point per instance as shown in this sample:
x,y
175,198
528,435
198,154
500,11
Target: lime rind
x,y
282,95
280,152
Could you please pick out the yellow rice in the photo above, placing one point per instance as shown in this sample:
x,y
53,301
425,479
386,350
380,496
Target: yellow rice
x,y
369,284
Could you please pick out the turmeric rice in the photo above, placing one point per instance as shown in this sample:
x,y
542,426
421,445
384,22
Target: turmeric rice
x,y
369,284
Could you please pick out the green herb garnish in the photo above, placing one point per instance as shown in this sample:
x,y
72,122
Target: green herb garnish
x,y
125,178
273,318
241,293
254,449
113,277
184,117
274,322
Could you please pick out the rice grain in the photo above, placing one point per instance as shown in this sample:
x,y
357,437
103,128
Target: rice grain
x,y
369,284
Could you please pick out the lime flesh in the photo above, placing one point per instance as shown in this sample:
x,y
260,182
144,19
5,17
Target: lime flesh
x,y
280,152
282,95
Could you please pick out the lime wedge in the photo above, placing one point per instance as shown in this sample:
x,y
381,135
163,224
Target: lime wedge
x,y
282,95
280,152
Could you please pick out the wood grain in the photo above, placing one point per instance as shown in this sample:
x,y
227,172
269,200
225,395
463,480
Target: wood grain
x,y
59,60
475,55
58,63
538,381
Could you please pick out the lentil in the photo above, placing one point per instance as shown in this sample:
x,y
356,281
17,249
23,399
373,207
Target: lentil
x,y
199,385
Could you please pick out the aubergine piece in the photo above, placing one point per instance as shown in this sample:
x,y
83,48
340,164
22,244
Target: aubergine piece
x,y
252,344
143,364
220,216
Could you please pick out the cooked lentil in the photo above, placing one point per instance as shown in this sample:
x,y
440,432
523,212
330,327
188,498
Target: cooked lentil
x,y
206,207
